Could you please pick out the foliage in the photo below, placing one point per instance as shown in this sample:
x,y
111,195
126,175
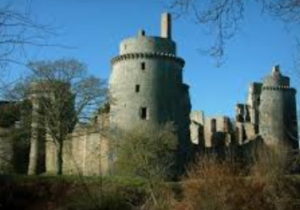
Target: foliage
x,y
148,152
97,198
212,184
69,193
9,113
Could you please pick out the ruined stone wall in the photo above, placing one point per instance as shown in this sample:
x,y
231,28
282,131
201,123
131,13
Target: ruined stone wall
x,y
50,159
207,132
197,127
217,130
253,103
240,133
86,151
250,130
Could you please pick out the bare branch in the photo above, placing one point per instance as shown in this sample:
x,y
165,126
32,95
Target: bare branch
x,y
223,18
61,93
287,10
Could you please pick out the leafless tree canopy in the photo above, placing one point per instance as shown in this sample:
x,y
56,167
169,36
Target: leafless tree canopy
x,y
223,18
62,94
88,91
287,10
17,31
69,89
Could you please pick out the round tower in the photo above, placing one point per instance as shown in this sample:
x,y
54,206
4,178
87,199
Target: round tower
x,y
146,84
146,80
277,111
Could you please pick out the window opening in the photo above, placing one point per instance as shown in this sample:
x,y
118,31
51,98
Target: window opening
x,y
144,113
137,88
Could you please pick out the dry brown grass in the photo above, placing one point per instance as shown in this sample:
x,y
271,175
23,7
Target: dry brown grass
x,y
211,184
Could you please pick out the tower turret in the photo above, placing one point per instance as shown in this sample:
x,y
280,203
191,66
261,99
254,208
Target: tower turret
x,y
146,84
46,97
277,111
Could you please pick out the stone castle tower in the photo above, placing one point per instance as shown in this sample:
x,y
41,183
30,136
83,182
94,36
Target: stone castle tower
x,y
42,93
278,113
146,84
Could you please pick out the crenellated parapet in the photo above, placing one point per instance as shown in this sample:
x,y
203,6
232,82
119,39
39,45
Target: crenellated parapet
x,y
154,55
279,88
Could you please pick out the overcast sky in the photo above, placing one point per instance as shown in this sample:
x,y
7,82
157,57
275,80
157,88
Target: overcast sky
x,y
95,28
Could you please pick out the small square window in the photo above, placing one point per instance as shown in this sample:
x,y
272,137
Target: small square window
x,y
137,88
143,66
144,113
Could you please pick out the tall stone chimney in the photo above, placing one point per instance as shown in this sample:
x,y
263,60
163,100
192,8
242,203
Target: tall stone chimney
x,y
166,26
276,68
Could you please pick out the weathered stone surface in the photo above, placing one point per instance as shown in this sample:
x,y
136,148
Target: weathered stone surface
x,y
147,87
278,113
196,127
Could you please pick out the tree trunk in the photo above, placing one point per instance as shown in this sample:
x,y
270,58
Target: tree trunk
x,y
34,140
59,157
34,154
37,142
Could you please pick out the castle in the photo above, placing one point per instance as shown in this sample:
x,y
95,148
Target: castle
x,y
147,88
269,113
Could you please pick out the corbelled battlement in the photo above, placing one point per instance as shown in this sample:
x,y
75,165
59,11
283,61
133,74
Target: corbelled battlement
x,y
148,55
280,88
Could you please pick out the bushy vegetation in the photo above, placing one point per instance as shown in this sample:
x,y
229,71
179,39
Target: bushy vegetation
x,y
70,192
147,152
212,184
209,184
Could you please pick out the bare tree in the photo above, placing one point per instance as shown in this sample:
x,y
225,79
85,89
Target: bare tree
x,y
286,10
62,94
18,30
223,18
